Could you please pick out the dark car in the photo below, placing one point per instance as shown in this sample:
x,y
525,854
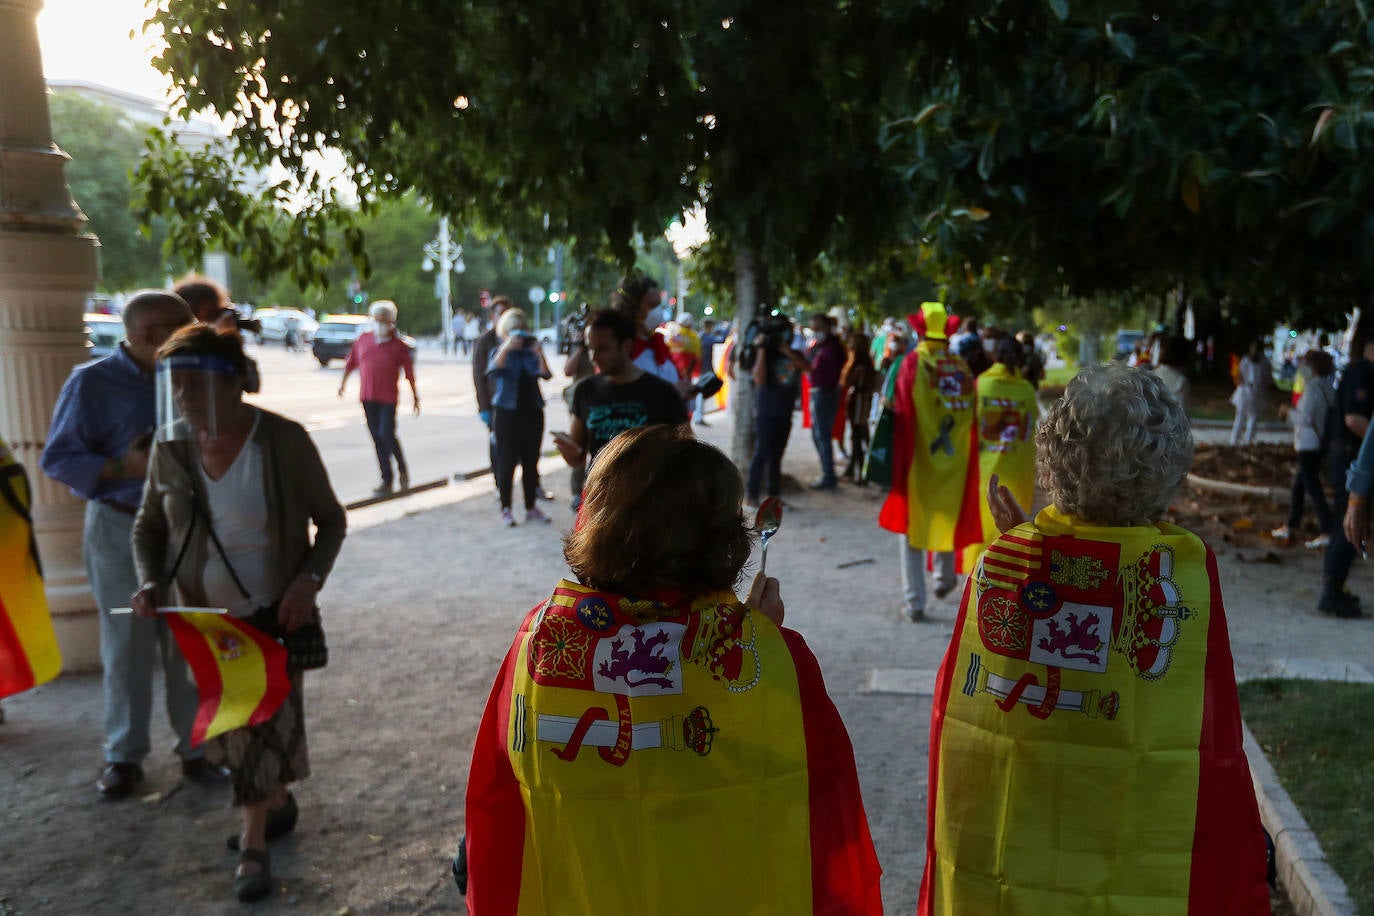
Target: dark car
x,y
335,336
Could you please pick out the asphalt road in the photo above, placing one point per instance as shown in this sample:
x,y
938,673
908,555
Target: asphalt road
x,y
446,439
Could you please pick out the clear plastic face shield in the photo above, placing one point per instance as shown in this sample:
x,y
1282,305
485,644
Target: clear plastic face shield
x,y
194,392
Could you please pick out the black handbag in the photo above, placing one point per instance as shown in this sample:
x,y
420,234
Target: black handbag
x,y
306,649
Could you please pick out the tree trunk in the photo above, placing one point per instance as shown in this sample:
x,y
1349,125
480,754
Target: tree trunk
x,y
742,387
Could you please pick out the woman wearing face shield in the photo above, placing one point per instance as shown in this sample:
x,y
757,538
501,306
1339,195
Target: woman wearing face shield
x,y
232,492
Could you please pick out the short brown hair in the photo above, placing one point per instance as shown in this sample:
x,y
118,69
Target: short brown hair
x,y
207,340
660,511
206,298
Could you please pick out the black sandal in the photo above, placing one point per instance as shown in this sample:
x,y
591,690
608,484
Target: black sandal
x,y
248,888
280,822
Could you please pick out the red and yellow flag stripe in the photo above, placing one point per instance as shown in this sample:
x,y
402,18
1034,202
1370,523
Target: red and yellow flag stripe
x,y
29,654
240,671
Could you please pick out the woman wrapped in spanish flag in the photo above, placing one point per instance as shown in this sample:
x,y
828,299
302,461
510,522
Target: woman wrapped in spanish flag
x,y
1085,752
652,744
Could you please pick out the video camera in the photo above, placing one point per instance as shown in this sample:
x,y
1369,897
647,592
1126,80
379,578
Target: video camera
x,y
776,329
573,330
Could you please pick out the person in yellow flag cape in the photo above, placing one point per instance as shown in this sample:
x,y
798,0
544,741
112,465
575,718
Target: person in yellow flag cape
x,y
28,646
1006,426
1085,750
233,493
933,502
653,745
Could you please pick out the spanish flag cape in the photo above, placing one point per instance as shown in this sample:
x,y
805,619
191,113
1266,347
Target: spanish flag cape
x,y
675,757
934,495
28,646
1006,444
1085,750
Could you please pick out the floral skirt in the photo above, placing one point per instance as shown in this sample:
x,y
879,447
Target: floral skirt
x,y
264,758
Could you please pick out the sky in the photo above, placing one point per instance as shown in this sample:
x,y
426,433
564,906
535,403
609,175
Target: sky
x,y
89,40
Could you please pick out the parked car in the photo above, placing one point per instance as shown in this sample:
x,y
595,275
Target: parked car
x,y
1126,343
335,336
104,333
274,322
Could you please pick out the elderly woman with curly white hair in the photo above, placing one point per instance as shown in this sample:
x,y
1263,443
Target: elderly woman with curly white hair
x,y
1085,751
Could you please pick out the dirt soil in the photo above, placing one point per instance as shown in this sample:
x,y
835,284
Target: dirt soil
x,y
1254,465
419,612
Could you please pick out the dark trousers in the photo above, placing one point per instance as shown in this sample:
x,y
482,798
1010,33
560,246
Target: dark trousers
x,y
858,436
825,404
765,467
1308,480
518,435
381,423
1340,554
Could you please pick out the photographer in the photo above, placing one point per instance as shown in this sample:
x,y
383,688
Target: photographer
x,y
577,367
209,303
518,412
777,369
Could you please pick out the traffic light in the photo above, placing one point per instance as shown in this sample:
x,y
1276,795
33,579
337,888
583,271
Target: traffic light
x,y
360,298
554,296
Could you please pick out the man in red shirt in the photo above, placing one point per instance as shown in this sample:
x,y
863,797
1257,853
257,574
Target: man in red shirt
x,y
380,357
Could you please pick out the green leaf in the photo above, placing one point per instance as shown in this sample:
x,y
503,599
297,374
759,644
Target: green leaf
x,y
1060,8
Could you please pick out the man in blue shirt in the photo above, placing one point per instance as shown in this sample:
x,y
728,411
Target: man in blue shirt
x,y
99,445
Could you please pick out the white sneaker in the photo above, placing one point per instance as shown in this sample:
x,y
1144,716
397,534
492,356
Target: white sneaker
x,y
1281,533
1318,542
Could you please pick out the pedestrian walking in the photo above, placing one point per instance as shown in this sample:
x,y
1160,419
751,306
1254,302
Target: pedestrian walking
x,y
1091,661
643,709
777,369
860,383
1249,396
233,492
381,357
472,329
826,358
458,326
710,338
1006,421
933,503
482,384
1355,406
515,369
99,446
619,397
1311,418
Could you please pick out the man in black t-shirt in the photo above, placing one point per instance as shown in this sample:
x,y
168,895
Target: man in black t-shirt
x,y
1356,405
620,396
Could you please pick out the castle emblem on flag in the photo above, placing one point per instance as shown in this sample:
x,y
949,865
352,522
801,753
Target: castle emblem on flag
x,y
1077,619
228,646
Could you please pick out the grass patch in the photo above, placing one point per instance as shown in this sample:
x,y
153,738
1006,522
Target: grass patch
x,y
1317,736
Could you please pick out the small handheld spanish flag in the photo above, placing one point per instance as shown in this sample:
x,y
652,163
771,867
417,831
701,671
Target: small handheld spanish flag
x,y
28,646
240,671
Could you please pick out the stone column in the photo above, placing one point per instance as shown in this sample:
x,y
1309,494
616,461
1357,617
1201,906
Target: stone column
x,y
48,265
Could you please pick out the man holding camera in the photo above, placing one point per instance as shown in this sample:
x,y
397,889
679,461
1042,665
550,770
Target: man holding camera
x,y
99,445
620,396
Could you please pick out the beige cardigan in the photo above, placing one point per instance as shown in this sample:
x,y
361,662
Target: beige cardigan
x,y
298,492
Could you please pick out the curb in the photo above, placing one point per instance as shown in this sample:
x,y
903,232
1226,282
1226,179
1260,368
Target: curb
x,y
1273,494
1313,886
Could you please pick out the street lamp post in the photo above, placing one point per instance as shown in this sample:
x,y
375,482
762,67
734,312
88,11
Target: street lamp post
x,y
448,256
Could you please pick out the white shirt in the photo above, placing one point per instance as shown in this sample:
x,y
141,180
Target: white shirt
x,y
238,511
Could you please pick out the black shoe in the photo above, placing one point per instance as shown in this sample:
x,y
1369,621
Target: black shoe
x,y
824,485
914,616
280,822
942,590
248,888
203,771
118,780
1339,604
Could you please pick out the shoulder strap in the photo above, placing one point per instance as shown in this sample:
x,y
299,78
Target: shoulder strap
x,y
196,510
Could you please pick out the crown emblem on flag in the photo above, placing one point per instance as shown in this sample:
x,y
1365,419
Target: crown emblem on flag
x,y
697,731
1152,613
